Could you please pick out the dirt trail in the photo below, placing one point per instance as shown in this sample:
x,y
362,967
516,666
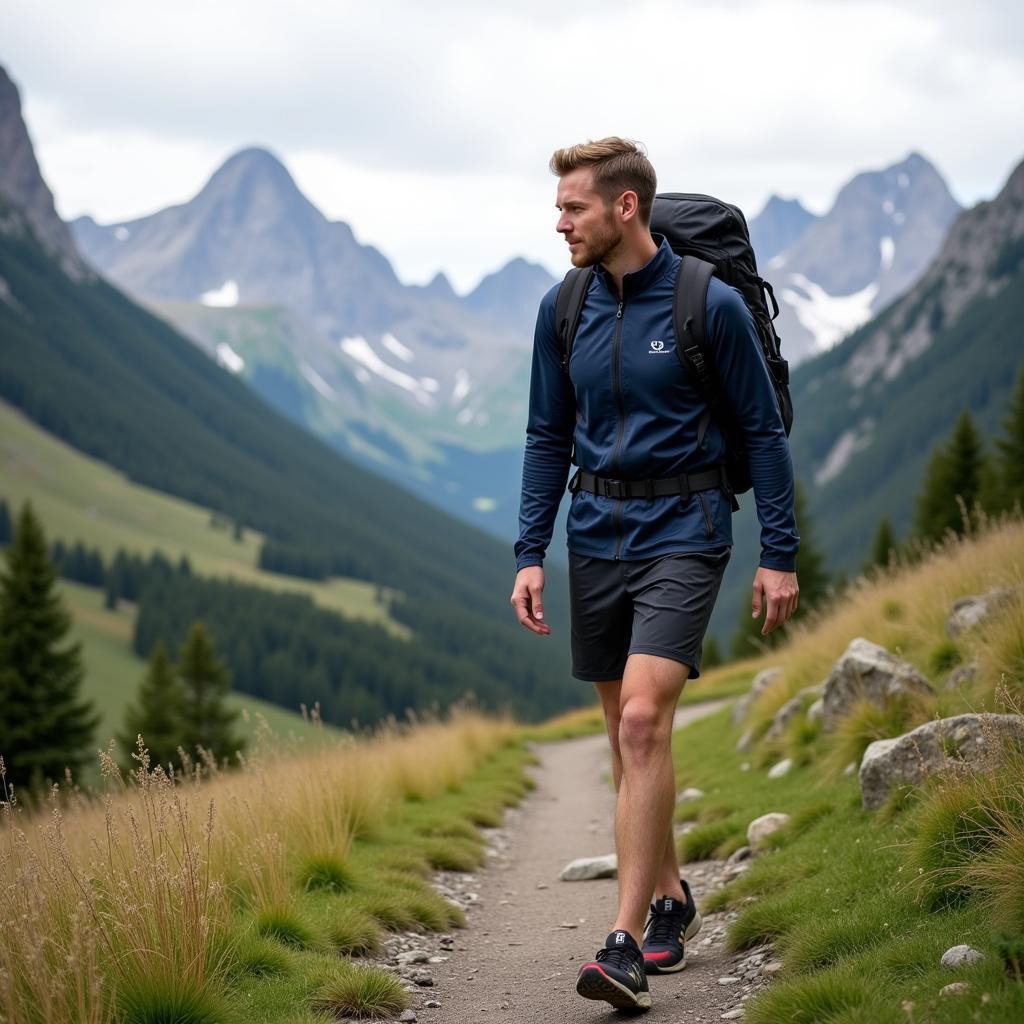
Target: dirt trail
x,y
528,932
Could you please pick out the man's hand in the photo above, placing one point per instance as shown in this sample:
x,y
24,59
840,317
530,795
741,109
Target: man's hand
x,y
780,592
528,600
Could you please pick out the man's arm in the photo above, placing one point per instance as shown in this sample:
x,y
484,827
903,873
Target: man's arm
x,y
748,390
546,462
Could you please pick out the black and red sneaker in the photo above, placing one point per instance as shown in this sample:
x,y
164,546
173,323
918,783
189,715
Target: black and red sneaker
x,y
671,923
616,974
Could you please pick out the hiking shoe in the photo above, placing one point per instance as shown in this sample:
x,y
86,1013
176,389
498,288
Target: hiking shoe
x,y
616,975
671,923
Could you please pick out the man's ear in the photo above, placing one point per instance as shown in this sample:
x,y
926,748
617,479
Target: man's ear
x,y
628,204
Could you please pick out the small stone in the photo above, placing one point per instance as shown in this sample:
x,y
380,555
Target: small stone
x,y
568,924
438,960
764,826
729,979
780,768
690,793
413,956
586,868
746,741
542,885
432,1004
850,769
961,956
424,979
954,988
743,853
734,1014
770,969
407,1017
745,767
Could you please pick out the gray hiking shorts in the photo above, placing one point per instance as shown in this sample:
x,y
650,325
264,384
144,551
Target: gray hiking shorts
x,y
656,606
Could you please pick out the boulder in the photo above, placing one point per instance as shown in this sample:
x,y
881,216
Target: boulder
x,y
780,768
791,709
761,828
947,744
586,868
761,682
969,611
962,675
961,956
867,670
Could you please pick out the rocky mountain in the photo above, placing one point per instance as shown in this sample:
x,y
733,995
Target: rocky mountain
x,y
844,268
88,365
408,379
778,226
29,200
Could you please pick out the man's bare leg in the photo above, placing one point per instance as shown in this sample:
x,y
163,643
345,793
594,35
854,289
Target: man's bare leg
x,y
648,694
668,876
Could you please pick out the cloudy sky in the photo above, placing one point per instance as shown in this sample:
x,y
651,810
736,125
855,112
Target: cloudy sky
x,y
428,126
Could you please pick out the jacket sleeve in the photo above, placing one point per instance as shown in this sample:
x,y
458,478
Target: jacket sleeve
x,y
748,389
549,433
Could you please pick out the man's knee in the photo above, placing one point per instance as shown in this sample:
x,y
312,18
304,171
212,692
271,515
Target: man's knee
x,y
643,729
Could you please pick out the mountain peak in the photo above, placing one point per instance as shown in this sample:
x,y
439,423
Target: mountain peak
x,y
251,168
22,184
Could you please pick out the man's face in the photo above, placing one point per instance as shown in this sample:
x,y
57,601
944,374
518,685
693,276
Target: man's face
x,y
587,223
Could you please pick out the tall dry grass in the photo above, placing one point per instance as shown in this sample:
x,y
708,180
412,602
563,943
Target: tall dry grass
x,y
904,608
136,891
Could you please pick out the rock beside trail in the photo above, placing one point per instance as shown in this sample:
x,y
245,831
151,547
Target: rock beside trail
x,y
867,670
954,988
793,707
585,868
946,744
969,611
761,828
780,768
961,956
761,682
962,675
688,794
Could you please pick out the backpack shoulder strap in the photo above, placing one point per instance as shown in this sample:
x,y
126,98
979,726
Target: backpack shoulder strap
x,y
689,309
569,306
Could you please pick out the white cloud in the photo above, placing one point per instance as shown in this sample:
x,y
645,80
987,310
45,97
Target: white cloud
x,y
428,127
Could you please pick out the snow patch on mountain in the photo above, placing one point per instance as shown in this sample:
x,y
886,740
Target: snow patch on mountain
x,y
847,445
829,318
229,358
888,250
358,348
314,378
396,348
462,386
225,295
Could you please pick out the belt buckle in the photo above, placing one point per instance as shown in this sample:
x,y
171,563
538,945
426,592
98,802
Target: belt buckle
x,y
613,488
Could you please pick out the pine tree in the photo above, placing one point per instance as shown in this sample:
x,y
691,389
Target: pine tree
x,y
883,547
954,475
45,725
5,523
1010,452
156,714
206,720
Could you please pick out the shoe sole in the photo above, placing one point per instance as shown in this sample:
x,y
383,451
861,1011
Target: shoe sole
x,y
593,983
650,967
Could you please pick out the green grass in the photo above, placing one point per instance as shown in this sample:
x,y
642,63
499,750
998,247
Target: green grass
x,y
80,498
838,894
361,992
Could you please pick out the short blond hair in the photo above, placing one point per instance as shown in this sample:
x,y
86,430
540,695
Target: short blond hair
x,y
619,165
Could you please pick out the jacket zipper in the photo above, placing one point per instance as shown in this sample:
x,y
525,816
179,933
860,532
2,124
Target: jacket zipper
x,y
617,389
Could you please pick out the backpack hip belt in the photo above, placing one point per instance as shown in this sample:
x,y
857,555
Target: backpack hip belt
x,y
683,485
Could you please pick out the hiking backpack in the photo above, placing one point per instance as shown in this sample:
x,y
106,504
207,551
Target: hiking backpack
x,y
713,239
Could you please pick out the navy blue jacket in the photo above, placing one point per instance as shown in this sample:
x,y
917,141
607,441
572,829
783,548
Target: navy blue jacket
x,y
635,416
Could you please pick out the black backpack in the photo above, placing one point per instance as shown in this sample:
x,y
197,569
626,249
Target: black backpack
x,y
713,239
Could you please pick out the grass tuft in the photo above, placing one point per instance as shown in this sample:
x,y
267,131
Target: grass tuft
x,y
258,957
867,722
365,993
353,932
151,1000
832,997
390,908
325,871
715,839
286,927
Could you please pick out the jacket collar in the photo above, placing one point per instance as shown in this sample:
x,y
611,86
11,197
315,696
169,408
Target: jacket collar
x,y
656,267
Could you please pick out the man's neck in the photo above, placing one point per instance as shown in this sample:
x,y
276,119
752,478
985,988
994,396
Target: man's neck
x,y
630,257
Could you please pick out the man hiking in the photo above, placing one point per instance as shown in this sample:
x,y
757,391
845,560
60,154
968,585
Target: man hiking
x,y
649,526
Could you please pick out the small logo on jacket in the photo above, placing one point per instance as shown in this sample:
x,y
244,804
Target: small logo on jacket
x,y
658,348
